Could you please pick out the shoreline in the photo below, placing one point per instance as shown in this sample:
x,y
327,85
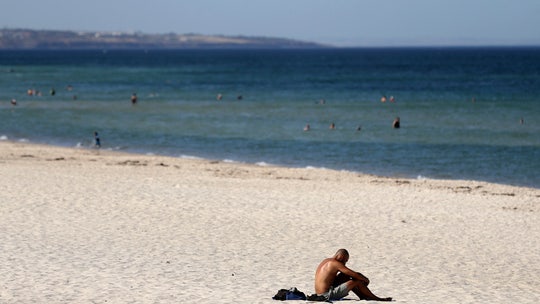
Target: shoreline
x,y
99,226
260,164
373,178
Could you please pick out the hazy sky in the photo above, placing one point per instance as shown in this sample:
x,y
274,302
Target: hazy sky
x,y
337,22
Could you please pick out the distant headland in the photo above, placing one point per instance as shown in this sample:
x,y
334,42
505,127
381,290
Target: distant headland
x,y
27,39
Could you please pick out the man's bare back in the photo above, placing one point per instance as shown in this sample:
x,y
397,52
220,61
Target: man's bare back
x,y
324,276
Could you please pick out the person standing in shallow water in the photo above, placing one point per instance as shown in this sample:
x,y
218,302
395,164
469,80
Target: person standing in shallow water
x,y
97,141
133,98
334,280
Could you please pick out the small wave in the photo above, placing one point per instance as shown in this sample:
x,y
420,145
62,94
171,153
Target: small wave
x,y
189,157
3,137
23,140
316,168
420,177
229,161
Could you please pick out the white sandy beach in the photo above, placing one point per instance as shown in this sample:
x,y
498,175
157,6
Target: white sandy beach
x,y
89,226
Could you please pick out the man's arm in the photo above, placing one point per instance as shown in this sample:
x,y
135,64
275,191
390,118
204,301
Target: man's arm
x,y
353,274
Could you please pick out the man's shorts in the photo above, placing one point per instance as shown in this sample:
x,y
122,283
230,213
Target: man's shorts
x,y
337,292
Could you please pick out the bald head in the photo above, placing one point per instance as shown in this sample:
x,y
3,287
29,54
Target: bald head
x,y
342,255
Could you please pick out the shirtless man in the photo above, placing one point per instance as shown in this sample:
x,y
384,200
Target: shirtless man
x,y
334,280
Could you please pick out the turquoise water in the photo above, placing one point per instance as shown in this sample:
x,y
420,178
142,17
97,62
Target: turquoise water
x,y
465,113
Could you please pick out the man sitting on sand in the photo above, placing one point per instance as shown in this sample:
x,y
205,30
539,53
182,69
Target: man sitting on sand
x,y
334,280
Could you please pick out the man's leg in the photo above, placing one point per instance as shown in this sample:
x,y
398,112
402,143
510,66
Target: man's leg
x,y
340,279
363,292
359,288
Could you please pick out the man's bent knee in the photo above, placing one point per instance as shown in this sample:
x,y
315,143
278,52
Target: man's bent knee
x,y
365,281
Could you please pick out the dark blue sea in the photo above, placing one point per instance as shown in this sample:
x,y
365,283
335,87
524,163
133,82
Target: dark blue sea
x,y
465,113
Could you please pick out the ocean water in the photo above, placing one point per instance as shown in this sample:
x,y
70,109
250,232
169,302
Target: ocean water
x,y
465,113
